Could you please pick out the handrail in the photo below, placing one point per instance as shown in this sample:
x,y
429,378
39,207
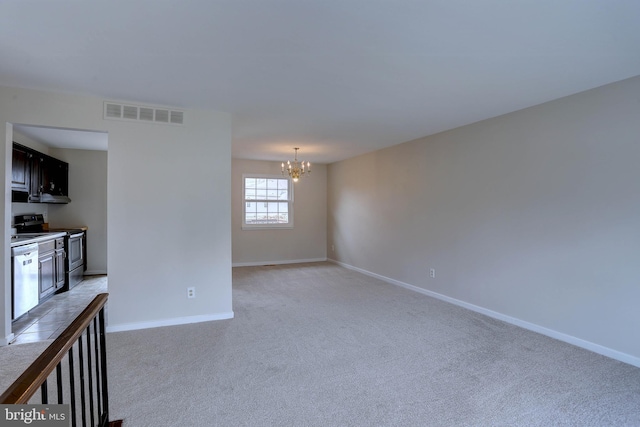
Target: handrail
x,y
36,374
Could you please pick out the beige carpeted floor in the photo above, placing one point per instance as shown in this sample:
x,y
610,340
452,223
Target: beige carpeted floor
x,y
15,358
320,345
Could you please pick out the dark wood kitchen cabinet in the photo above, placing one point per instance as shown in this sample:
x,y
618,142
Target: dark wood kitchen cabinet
x,y
21,169
51,266
60,256
46,268
35,173
36,161
54,176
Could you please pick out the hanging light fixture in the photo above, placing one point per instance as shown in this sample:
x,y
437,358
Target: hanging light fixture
x,y
296,169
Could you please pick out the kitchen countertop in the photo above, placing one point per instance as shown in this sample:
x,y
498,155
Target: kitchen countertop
x,y
27,238
82,227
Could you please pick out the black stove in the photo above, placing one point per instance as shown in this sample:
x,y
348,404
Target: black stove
x,y
30,223
34,223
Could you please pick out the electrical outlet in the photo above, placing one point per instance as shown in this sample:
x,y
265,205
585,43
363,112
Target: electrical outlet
x,y
191,292
333,248
432,273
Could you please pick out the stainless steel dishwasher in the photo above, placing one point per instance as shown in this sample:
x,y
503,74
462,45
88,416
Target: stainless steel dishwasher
x,y
25,279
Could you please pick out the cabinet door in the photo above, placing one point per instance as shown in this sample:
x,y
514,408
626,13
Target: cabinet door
x,y
46,265
76,252
36,177
60,276
20,169
55,177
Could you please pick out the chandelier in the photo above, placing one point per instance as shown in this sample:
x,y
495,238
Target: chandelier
x,y
296,169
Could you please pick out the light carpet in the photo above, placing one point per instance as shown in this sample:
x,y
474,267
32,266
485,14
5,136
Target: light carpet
x,y
16,358
320,345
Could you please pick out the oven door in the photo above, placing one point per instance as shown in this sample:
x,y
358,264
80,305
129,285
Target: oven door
x,y
75,251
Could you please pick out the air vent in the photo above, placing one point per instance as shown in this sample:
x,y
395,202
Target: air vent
x,y
177,117
130,112
146,114
112,110
162,116
142,113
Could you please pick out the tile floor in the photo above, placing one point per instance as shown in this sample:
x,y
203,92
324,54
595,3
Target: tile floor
x,y
50,318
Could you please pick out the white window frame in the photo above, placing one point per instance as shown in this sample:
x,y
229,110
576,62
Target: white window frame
x,y
288,225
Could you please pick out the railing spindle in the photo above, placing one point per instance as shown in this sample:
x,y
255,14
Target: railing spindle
x,y
98,383
90,375
72,388
59,383
43,392
103,363
83,411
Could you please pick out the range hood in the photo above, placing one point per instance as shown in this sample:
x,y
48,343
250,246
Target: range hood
x,y
23,197
51,198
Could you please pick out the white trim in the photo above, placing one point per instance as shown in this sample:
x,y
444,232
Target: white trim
x,y
169,322
596,348
6,340
291,261
247,227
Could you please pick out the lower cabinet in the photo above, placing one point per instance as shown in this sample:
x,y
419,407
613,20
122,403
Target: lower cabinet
x,y
46,268
61,255
51,269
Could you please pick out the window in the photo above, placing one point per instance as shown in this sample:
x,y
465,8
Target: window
x,y
267,202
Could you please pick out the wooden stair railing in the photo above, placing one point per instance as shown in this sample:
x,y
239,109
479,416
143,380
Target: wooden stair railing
x,y
86,334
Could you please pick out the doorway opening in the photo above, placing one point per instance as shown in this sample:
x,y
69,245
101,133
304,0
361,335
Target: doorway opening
x,y
85,152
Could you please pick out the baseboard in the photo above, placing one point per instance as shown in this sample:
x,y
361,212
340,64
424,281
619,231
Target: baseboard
x,y
260,263
587,345
6,340
169,322
95,273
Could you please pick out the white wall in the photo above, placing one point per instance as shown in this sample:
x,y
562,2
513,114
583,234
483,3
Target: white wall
x,y
88,207
160,177
28,142
307,241
5,235
533,217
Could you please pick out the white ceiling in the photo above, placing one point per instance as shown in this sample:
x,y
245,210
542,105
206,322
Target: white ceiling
x,y
336,78
65,138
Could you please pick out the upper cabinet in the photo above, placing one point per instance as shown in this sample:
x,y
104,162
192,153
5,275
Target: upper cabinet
x,y
38,178
36,159
54,177
21,169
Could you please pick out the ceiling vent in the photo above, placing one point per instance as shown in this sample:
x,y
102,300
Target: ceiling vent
x,y
115,111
